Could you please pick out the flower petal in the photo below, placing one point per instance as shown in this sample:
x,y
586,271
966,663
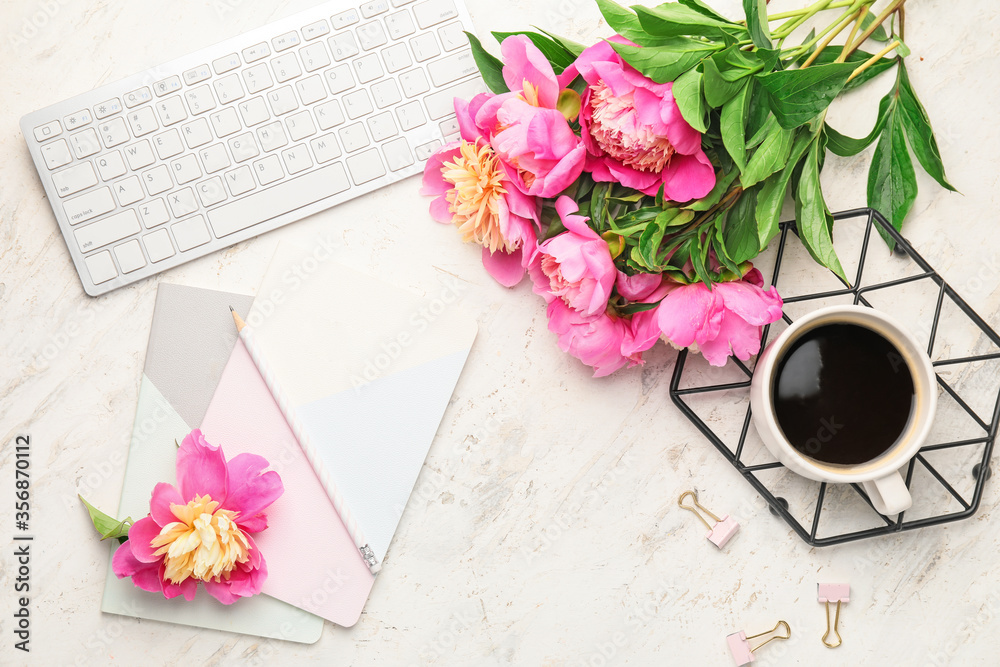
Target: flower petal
x,y
220,590
525,64
751,303
505,267
689,314
688,177
201,468
251,490
140,536
144,575
164,495
188,588
736,337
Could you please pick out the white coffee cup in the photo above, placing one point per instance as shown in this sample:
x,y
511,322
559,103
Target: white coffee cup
x,y
879,476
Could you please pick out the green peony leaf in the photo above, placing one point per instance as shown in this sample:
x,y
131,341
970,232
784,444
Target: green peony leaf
x,y
812,217
108,527
740,233
489,66
919,131
799,95
558,56
892,182
756,13
665,63
687,93
772,194
770,157
845,146
672,19
732,124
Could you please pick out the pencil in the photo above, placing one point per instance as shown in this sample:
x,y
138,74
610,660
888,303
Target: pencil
x,y
246,335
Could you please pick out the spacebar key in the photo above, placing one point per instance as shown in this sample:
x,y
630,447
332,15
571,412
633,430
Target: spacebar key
x,y
280,199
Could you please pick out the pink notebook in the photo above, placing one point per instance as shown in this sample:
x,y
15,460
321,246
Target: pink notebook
x,y
312,562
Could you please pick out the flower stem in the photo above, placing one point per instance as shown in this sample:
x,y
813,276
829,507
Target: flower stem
x,y
726,202
789,27
850,36
798,12
829,38
874,59
855,6
848,50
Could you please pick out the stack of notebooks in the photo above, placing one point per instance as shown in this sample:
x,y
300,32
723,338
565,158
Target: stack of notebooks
x,y
369,369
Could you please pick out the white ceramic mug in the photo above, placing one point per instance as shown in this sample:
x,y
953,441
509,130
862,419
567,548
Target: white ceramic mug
x,y
879,476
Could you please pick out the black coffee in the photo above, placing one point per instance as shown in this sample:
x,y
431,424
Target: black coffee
x,y
842,394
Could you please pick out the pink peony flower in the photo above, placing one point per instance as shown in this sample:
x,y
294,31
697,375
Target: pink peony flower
x,y
723,321
474,190
201,532
596,340
633,131
525,126
575,266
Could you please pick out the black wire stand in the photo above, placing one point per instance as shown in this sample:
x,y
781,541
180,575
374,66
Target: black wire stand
x,y
946,478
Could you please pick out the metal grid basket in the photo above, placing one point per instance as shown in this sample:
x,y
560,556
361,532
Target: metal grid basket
x,y
947,476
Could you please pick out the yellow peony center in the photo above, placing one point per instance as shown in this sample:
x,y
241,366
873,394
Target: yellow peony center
x,y
474,201
204,543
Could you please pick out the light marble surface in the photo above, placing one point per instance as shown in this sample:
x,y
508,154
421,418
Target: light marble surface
x,y
543,529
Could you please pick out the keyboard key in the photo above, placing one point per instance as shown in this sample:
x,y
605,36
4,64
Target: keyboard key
x,y
214,158
382,126
200,99
85,143
374,7
171,84
291,194
108,108
325,148
211,192
441,103
452,36
78,119
137,97
257,78
339,79
282,100
83,208
191,233
300,125
410,115
315,56
56,154
268,171
452,68
114,228
142,122
296,159
433,12
371,35
424,47
256,52
197,74
182,202
185,169
343,46
329,115
254,111
353,137
396,57
414,82
225,122
286,41
128,191
397,154
400,3
139,155
226,63
229,89
314,30
158,245
168,144
153,213
101,267
47,131
243,147
130,257
74,179
357,104
450,129
424,151
385,93
171,110
368,68
286,67
111,165
365,166
311,89
240,181
197,133
399,24
272,136
344,19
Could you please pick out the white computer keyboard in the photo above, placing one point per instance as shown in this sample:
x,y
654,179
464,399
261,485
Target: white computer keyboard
x,y
248,135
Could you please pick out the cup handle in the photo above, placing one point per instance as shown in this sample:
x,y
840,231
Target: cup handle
x,y
889,494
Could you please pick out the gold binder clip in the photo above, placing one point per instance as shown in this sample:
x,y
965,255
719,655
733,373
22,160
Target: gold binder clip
x,y
739,643
841,594
719,532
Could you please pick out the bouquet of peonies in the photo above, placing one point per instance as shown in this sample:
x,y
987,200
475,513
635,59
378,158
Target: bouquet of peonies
x,y
634,180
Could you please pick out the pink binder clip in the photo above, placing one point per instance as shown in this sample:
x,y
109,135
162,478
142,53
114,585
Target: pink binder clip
x,y
827,593
739,643
719,532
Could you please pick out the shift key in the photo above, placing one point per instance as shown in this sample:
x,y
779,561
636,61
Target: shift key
x,y
101,233
83,208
